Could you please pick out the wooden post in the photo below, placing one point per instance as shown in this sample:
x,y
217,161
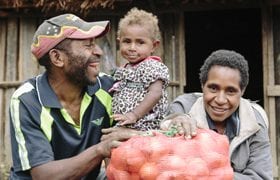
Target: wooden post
x,y
2,118
269,80
11,75
28,65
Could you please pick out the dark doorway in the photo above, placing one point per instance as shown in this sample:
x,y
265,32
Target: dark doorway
x,y
238,30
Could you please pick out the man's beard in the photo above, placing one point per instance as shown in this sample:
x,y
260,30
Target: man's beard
x,y
78,67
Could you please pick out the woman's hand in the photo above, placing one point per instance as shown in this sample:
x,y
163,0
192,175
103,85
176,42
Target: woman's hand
x,y
184,124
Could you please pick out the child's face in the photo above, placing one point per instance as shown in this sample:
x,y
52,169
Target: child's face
x,y
136,43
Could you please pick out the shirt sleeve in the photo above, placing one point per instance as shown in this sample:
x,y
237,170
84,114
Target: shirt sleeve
x,y
152,71
30,146
183,103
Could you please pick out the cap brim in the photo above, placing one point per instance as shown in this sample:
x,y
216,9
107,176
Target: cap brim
x,y
91,30
88,30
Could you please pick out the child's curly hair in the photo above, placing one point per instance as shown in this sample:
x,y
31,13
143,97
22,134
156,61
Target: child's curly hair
x,y
142,18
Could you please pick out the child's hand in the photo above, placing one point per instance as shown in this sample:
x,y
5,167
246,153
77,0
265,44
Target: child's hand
x,y
127,118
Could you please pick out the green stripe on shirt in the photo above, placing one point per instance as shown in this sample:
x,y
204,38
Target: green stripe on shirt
x,y
15,102
106,100
46,122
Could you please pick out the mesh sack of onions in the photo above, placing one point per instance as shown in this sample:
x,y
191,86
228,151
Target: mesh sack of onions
x,y
162,157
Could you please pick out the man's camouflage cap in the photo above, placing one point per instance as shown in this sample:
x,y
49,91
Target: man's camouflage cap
x,y
52,31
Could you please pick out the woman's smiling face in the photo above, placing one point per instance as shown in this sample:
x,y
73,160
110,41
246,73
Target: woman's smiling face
x,y
222,92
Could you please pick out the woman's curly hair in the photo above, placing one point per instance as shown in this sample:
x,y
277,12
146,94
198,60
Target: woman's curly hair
x,y
229,59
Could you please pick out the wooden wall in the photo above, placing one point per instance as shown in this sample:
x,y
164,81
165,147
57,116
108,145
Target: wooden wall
x,y
271,67
17,63
274,87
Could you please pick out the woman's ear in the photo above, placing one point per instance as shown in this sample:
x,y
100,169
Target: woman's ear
x,y
242,91
56,57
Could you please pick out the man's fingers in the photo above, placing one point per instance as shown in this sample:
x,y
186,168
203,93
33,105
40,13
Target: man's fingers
x,y
115,144
118,133
104,137
108,130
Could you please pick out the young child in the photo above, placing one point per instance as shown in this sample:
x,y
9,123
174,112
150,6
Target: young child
x,y
140,96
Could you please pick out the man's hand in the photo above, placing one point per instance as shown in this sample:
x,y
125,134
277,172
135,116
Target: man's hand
x,y
112,138
182,122
78,166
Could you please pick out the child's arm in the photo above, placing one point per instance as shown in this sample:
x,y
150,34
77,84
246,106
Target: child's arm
x,y
150,100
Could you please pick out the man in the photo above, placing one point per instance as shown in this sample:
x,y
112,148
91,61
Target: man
x,y
57,117
224,77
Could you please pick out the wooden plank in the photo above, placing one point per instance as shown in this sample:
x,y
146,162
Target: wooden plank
x,y
182,53
112,35
28,65
2,105
2,48
173,66
174,52
9,84
268,70
273,90
273,135
175,83
276,102
11,75
167,41
12,50
119,60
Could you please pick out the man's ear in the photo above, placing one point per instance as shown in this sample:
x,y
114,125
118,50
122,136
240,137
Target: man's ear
x,y
56,57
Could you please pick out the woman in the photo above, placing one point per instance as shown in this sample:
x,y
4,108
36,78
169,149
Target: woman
x,y
220,107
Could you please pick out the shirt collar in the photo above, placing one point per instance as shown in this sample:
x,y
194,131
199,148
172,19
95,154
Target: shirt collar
x,y
47,96
232,125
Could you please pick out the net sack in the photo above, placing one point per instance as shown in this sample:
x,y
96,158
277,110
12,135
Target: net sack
x,y
159,157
